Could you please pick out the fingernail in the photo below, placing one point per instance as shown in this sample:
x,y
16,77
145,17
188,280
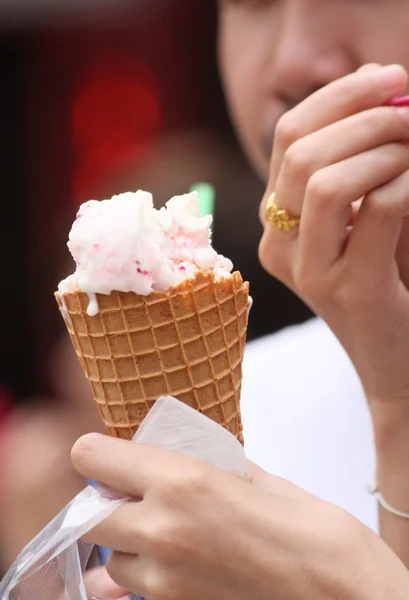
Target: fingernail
x,y
404,112
391,77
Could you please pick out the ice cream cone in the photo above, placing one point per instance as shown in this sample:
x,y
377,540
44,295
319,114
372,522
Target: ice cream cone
x,y
187,342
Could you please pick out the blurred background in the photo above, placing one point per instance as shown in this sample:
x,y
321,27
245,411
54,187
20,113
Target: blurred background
x,y
100,97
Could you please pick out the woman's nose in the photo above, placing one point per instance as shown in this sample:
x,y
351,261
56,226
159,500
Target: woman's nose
x,y
309,52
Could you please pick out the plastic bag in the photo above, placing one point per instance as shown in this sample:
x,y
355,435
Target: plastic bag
x,y
51,567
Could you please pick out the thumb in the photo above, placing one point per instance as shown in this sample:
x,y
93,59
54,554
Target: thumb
x,y
98,584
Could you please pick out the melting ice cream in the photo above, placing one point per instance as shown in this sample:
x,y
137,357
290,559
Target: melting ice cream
x,y
127,245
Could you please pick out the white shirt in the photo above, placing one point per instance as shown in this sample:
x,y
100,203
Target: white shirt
x,y
305,416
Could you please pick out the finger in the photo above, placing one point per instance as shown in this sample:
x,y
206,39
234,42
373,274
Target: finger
x,y
276,260
121,531
342,98
275,485
327,212
98,584
329,195
374,239
369,67
334,143
130,572
124,466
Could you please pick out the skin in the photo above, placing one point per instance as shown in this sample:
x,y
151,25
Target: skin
x,y
188,533
327,148
274,55
335,155
354,271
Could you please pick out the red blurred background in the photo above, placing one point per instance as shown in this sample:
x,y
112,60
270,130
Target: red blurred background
x,y
99,101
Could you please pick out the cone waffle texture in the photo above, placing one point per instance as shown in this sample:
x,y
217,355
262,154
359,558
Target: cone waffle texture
x,y
187,342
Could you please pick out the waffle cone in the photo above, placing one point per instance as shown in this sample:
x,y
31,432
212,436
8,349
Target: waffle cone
x,y
187,342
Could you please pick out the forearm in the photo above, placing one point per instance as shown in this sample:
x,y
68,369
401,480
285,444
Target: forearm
x,y
392,446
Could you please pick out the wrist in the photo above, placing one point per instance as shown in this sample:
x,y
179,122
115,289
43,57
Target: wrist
x,y
391,431
389,418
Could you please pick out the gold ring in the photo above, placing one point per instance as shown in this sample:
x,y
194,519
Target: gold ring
x,y
278,217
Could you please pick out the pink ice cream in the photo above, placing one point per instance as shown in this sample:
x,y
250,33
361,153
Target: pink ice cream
x,y
125,244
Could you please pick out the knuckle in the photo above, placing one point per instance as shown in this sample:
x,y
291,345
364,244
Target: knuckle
x,y
156,587
312,285
286,132
272,260
197,476
83,448
149,530
297,160
193,477
163,536
161,585
115,570
321,189
379,205
137,529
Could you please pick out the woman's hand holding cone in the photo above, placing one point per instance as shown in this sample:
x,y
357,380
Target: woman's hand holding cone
x,y
196,532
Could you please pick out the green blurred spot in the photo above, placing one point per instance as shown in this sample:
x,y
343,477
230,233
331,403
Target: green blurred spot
x,y
207,198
